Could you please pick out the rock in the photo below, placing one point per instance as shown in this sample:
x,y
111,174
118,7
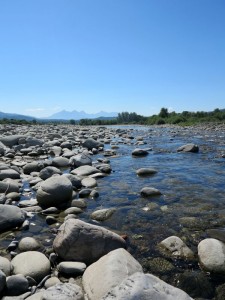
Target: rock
x,y
89,182
16,285
80,203
111,269
80,241
10,217
145,287
13,196
33,167
31,141
36,296
10,140
81,159
146,171
47,172
149,192
188,148
91,143
84,171
51,220
56,150
54,191
2,281
211,253
217,233
102,214
73,210
28,244
85,193
139,152
31,263
8,187
74,179
9,173
63,291
51,282
71,268
5,266
60,162
175,247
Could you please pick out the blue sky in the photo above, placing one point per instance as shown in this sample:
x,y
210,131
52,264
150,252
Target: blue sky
x,y
111,55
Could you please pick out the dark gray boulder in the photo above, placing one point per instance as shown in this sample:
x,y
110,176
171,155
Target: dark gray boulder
x,y
10,217
91,143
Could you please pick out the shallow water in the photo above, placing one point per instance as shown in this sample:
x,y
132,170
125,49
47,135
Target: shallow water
x,y
192,200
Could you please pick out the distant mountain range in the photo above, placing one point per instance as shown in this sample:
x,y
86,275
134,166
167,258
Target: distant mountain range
x,y
77,115
62,115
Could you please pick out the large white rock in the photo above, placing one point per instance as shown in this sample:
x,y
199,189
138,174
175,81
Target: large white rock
x,y
79,241
31,263
211,253
108,272
145,287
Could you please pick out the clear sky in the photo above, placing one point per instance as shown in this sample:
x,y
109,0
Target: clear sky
x,y
111,55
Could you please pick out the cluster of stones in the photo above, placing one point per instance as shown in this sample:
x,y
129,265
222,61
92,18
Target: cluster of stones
x,y
80,250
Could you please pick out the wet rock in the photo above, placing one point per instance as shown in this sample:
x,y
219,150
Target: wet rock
x,y
85,193
146,171
71,268
149,192
47,172
145,286
63,291
80,241
211,253
9,173
31,263
16,285
73,210
111,269
139,152
188,148
10,217
80,203
5,266
8,187
175,247
54,191
102,214
196,284
159,265
28,244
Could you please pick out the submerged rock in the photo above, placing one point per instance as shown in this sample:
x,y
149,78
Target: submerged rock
x,y
175,247
102,214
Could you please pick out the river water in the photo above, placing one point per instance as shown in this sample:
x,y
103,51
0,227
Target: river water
x,y
192,200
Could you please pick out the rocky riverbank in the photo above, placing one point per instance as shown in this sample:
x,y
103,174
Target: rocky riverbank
x,y
53,248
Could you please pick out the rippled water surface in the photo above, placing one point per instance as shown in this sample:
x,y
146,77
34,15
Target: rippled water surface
x,y
192,200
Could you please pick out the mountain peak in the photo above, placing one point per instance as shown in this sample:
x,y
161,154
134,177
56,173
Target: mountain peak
x,y
77,115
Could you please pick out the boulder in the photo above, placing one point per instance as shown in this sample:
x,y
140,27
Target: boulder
x,y
16,285
10,217
145,287
8,187
54,191
91,143
79,241
188,148
31,263
81,159
11,140
47,172
149,192
9,173
63,291
34,166
139,152
110,269
175,247
211,253
71,268
74,179
60,162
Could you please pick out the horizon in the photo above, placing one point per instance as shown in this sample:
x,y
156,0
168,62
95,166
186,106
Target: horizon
x,y
111,56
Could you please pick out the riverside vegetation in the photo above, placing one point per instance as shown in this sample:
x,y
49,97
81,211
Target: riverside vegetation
x,y
104,212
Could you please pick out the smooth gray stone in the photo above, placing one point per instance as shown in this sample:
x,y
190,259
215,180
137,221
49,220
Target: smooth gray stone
x,y
150,191
11,140
188,148
5,266
89,182
33,167
71,268
9,173
102,214
139,152
81,159
29,244
75,180
84,171
2,281
8,187
47,172
31,263
10,217
16,285
145,171
176,248
79,241
60,162
91,143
